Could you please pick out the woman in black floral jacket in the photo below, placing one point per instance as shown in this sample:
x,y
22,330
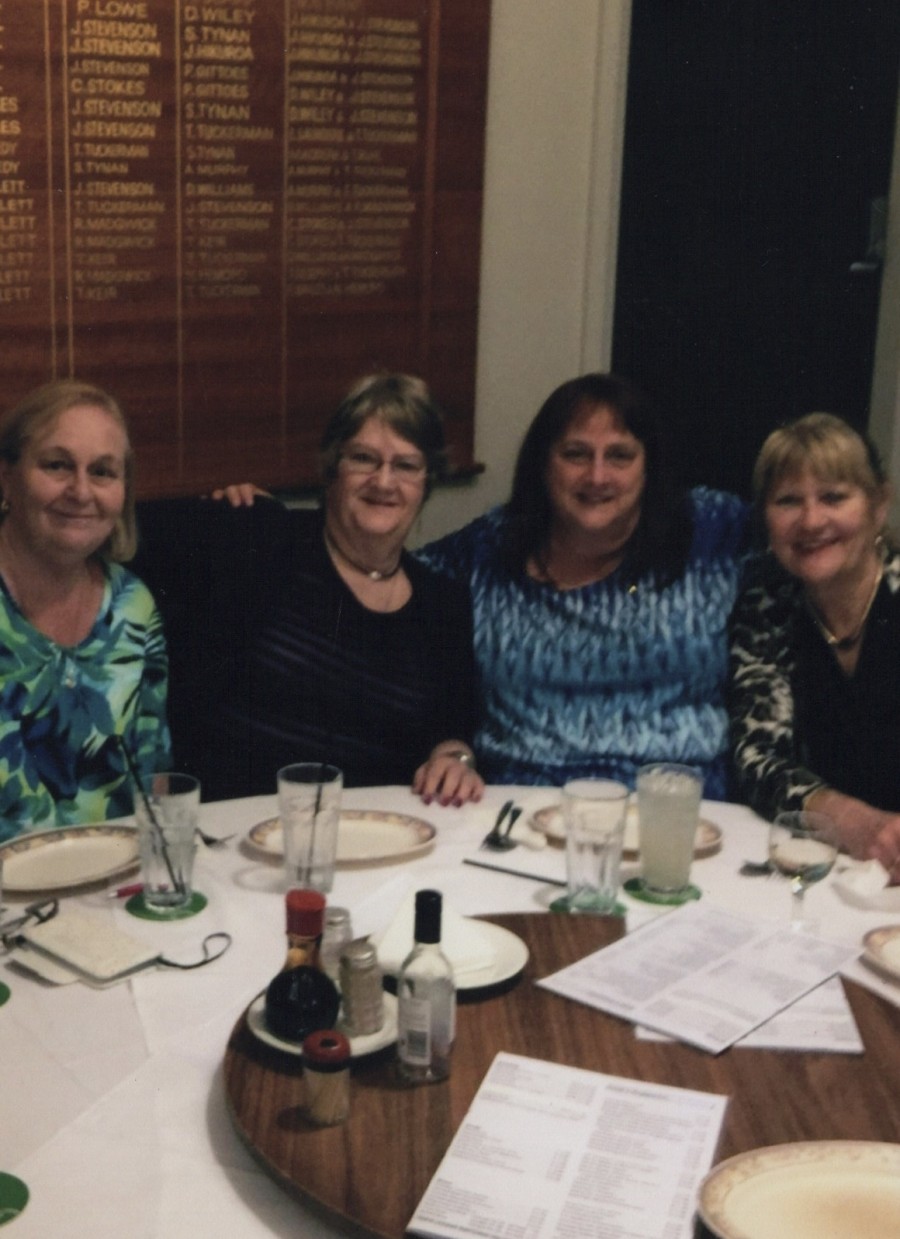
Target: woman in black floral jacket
x,y
815,656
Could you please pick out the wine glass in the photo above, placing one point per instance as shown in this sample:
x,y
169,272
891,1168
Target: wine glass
x,y
803,846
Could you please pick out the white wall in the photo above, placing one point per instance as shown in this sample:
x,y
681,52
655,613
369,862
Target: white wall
x,y
555,120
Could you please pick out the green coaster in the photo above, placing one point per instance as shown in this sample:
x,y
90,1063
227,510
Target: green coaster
x,y
562,905
4,993
13,1197
637,890
137,907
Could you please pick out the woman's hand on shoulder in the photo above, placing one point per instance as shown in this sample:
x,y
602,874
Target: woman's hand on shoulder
x,y
240,494
449,776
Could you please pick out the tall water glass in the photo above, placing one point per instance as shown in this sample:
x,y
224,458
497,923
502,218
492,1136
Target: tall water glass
x,y
668,796
309,804
594,818
167,812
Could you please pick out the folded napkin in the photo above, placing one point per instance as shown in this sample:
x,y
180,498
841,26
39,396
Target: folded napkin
x,y
864,884
466,943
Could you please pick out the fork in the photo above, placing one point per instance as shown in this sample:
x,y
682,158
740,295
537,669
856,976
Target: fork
x,y
497,840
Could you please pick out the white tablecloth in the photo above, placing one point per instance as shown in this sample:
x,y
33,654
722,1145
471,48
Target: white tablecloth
x,y
113,1109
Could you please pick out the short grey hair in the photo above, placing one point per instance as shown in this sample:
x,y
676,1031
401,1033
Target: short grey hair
x,y
403,403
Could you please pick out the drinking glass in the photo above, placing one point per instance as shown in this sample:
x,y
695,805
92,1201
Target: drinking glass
x,y
309,805
668,796
803,846
167,812
594,817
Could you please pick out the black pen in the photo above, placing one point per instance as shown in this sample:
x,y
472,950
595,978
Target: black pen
x,y
515,873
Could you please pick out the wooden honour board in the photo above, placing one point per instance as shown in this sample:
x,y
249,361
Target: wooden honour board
x,y
225,213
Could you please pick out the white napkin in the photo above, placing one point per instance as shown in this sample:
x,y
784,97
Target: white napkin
x,y
466,944
864,884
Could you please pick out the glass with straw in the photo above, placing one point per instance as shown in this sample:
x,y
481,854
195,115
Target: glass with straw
x,y
309,804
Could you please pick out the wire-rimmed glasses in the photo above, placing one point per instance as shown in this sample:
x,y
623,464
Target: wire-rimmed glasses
x,y
361,460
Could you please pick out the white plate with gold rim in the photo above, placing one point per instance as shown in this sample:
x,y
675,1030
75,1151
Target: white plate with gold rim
x,y
67,857
360,1047
365,836
549,821
821,1189
882,948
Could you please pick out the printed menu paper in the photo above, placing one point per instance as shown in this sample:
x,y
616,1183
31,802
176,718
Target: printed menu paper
x,y
820,1022
702,975
547,1152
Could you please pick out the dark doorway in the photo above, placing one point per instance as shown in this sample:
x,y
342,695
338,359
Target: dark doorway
x,y
758,135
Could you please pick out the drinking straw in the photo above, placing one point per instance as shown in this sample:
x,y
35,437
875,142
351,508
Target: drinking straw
x,y
177,883
316,807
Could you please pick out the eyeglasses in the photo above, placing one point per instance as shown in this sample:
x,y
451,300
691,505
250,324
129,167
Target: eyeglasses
x,y
407,468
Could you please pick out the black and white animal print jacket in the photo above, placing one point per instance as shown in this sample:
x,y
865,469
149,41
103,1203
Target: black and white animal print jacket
x,y
768,757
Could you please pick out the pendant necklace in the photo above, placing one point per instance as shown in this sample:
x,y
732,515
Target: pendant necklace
x,y
843,644
373,574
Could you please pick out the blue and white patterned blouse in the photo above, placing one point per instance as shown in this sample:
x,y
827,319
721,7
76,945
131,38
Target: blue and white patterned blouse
x,y
66,711
601,679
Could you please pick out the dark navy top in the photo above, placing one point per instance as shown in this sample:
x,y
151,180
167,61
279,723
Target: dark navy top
x,y
273,659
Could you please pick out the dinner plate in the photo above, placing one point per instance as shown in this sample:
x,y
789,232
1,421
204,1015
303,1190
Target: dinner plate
x,y
823,1189
882,948
509,955
550,821
68,856
364,836
360,1047
510,958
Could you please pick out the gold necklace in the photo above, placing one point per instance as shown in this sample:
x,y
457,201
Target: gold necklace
x,y
843,644
374,574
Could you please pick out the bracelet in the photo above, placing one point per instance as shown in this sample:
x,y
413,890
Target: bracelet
x,y
462,755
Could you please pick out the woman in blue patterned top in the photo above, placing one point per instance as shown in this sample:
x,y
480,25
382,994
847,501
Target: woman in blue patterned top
x,y
82,656
601,596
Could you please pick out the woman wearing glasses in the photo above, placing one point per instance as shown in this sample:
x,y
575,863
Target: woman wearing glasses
x,y
300,635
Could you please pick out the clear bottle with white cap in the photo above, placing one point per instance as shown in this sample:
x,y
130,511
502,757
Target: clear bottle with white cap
x,y
426,995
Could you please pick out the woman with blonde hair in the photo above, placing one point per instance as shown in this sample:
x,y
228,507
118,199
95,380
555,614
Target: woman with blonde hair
x,y
815,660
82,657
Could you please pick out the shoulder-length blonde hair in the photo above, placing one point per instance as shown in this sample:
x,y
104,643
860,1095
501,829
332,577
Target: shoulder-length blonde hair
x,y
43,406
825,445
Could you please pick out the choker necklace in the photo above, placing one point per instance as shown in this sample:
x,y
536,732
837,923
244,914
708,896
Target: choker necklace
x,y
372,573
843,644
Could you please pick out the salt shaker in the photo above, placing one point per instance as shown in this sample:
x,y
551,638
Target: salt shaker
x,y
361,990
335,936
326,1077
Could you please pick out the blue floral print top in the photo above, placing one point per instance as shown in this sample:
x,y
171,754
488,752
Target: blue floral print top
x,y
65,712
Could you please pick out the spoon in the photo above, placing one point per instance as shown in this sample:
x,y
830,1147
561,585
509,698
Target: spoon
x,y
756,868
213,841
493,839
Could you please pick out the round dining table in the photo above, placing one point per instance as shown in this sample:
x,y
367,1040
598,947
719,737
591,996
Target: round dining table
x,y
123,1107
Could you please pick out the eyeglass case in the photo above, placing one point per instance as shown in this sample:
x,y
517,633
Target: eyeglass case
x,y
95,950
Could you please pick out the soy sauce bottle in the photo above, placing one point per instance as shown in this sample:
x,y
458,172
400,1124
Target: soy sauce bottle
x,y
301,999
